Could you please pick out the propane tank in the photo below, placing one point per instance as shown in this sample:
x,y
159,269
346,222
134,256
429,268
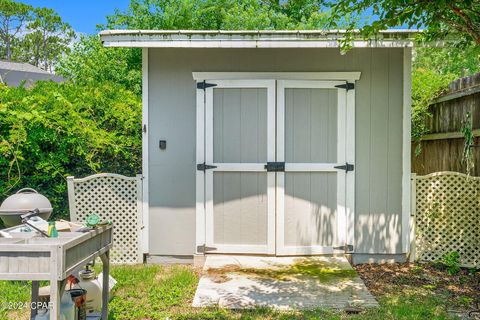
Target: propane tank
x,y
89,282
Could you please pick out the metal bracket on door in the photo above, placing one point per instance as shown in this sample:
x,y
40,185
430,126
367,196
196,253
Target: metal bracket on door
x,y
204,249
345,248
203,167
275,166
347,167
347,86
202,85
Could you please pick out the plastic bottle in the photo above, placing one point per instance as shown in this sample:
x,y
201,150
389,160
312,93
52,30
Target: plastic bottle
x,y
42,314
52,230
67,307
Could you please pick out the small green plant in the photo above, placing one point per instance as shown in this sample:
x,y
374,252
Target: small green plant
x,y
452,262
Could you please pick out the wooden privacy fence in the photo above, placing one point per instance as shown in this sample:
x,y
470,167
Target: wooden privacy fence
x,y
446,211
442,148
112,197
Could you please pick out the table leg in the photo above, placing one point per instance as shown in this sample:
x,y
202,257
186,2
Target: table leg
x,y
106,271
33,306
56,291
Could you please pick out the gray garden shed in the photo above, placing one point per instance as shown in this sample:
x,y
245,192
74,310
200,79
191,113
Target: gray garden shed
x,y
274,142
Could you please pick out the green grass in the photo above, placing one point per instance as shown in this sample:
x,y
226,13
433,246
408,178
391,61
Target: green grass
x,y
160,292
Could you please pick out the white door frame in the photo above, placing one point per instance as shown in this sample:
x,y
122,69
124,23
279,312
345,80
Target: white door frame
x,y
203,97
210,244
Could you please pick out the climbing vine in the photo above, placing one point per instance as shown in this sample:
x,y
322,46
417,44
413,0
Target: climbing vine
x,y
467,131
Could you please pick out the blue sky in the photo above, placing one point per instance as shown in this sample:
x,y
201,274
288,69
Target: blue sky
x,y
82,15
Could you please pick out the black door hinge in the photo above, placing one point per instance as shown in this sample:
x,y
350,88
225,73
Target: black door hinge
x,y
204,249
345,248
347,86
203,167
204,85
347,167
275,166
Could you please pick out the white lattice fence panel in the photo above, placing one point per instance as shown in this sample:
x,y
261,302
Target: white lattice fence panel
x,y
112,197
447,217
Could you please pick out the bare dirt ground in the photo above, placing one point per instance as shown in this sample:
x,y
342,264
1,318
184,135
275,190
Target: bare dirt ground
x,y
461,292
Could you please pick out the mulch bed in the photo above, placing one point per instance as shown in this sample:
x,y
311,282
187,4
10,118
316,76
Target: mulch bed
x,y
461,291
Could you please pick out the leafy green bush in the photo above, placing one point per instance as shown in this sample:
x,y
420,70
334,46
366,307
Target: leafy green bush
x,y
53,130
90,61
427,85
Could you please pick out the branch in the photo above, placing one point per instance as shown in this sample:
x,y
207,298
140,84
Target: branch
x,y
469,26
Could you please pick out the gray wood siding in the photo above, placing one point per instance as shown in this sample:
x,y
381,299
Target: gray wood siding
x,y
378,168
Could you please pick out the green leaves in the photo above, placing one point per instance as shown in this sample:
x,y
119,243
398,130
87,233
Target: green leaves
x,y
54,130
433,70
456,18
13,16
90,62
218,14
34,35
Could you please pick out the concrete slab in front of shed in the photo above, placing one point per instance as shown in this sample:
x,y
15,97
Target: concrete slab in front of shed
x,y
238,282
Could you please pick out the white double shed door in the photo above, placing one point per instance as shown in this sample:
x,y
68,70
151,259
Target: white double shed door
x,y
275,161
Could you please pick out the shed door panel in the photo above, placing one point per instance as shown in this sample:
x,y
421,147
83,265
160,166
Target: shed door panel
x,y
240,194
310,209
240,208
310,193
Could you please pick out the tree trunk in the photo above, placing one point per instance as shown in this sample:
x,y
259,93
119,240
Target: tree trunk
x,y
8,53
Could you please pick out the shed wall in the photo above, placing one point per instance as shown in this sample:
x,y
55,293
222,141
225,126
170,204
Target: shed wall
x,y
172,103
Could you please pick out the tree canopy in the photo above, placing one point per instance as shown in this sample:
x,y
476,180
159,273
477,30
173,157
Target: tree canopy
x,y
35,35
220,14
13,16
459,19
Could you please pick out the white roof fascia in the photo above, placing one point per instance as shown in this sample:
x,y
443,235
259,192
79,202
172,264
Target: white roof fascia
x,y
251,39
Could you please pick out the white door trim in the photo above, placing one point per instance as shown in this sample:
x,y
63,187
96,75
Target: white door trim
x,y
145,178
407,224
269,248
345,140
341,76
350,176
200,150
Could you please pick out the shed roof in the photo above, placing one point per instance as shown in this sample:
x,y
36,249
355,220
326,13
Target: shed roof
x,y
393,38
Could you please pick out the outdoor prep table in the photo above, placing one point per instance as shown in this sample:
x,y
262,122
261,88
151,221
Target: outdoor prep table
x,y
36,258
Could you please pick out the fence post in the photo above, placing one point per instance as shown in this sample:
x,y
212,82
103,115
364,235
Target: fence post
x,y
413,208
71,199
142,227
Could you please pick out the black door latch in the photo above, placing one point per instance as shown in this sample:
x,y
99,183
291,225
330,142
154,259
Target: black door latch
x,y
275,166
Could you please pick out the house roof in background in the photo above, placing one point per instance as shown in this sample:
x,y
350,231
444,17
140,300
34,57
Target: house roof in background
x,y
16,73
20,66
394,38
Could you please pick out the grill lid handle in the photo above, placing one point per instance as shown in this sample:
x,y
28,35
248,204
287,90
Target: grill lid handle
x,y
29,190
